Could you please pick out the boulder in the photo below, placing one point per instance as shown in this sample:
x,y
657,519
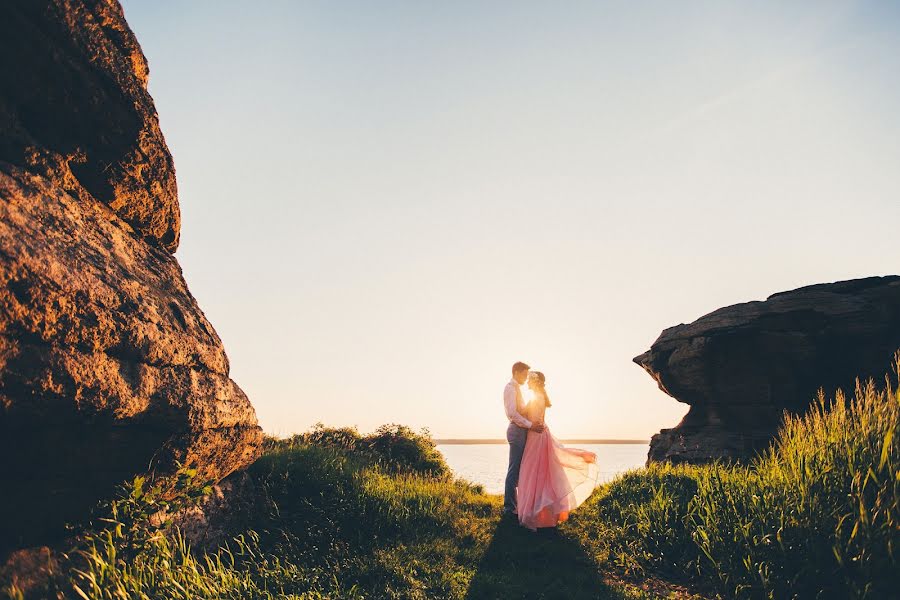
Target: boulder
x,y
741,367
108,366
74,108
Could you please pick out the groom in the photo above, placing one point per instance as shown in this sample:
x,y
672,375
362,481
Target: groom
x,y
516,433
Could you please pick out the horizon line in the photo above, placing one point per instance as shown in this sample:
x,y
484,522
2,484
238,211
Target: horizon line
x,y
461,441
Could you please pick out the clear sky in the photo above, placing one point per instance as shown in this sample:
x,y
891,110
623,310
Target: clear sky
x,y
386,204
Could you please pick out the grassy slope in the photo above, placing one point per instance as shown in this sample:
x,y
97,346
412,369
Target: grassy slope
x,y
817,516
409,535
381,521
342,516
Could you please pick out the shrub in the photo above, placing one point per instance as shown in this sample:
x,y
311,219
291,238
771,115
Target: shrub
x,y
395,448
337,438
399,448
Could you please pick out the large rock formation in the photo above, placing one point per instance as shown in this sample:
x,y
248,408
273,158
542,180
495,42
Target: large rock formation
x,y
108,367
740,367
74,108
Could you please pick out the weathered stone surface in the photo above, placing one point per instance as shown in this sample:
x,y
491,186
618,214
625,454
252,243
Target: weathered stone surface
x,y
56,475
740,367
230,508
74,108
108,367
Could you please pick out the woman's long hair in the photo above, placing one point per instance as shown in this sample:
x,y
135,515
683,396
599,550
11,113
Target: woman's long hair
x,y
539,380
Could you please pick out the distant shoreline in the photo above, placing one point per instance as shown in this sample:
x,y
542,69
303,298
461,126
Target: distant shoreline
x,y
464,441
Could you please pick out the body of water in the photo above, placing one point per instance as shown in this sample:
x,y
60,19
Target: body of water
x,y
486,463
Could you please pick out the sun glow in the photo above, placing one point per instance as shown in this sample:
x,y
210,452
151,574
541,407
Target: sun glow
x,y
421,223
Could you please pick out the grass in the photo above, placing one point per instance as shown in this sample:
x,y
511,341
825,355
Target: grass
x,y
340,515
817,516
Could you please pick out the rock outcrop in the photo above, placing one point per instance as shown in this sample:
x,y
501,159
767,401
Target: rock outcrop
x,y
108,367
74,108
740,367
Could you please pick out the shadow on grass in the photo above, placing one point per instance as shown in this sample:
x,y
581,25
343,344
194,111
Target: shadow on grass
x,y
519,564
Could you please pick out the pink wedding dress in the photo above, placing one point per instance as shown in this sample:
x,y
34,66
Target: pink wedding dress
x,y
553,479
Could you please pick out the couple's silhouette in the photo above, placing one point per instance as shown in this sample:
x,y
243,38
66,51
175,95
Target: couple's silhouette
x,y
545,480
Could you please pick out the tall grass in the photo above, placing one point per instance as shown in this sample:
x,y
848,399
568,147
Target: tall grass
x,y
332,520
340,515
815,517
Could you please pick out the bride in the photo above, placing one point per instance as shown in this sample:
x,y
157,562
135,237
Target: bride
x,y
553,479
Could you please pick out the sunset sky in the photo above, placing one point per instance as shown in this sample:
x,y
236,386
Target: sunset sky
x,y
385,204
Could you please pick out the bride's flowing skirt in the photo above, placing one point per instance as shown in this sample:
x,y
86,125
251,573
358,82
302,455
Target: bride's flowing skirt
x,y
553,480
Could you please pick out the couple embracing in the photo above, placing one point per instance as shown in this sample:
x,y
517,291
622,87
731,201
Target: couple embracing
x,y
545,480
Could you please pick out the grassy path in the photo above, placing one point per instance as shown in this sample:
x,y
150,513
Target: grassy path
x,y
404,535
551,564
519,563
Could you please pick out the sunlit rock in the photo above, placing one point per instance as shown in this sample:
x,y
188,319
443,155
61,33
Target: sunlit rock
x,y
74,107
740,367
108,367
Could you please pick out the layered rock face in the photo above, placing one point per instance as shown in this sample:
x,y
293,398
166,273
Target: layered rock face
x,y
108,367
740,367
